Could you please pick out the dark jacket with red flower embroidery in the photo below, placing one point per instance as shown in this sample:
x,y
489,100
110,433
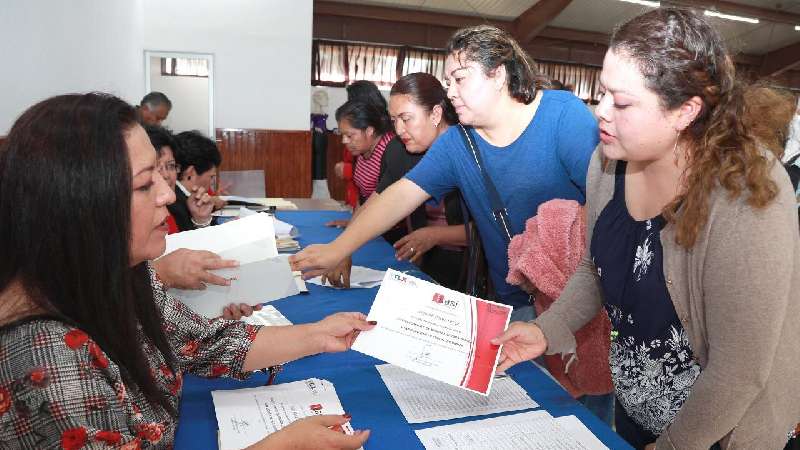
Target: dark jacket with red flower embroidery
x,y
58,389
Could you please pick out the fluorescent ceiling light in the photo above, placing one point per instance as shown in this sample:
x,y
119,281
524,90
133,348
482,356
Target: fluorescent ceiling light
x,y
730,17
649,3
797,28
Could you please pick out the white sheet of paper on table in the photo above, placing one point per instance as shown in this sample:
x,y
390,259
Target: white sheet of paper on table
x,y
435,331
535,430
360,278
268,315
261,276
245,416
422,399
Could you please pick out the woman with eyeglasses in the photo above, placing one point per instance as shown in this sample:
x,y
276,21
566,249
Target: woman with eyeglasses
x,y
185,268
93,349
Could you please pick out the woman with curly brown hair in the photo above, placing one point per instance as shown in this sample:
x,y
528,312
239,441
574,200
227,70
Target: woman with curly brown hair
x,y
692,248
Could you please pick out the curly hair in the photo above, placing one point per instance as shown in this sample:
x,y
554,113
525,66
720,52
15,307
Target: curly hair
x,y
492,47
681,56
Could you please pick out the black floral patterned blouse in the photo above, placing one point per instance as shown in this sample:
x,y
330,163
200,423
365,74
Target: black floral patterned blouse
x,y
58,389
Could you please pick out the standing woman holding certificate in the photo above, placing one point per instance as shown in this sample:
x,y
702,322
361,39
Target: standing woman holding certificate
x,y
535,145
692,248
93,348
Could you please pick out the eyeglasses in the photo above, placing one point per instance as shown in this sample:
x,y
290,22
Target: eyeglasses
x,y
169,167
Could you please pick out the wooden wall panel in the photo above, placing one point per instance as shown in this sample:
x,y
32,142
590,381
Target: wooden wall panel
x,y
336,186
284,156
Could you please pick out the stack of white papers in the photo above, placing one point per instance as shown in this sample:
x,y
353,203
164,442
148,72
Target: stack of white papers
x,y
267,316
360,278
434,331
261,276
245,416
422,399
535,430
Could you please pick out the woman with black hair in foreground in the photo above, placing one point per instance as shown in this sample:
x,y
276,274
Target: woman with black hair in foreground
x,y
93,348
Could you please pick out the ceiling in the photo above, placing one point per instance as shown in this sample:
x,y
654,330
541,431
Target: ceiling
x,y
601,16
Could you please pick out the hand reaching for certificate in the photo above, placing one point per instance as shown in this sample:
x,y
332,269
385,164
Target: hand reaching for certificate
x,y
315,432
191,269
340,275
521,342
414,245
316,260
338,331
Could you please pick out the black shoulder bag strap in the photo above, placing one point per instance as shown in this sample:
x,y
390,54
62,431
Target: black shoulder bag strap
x,y
499,211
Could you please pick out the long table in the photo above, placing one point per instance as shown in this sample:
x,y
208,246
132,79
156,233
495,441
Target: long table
x,y
360,388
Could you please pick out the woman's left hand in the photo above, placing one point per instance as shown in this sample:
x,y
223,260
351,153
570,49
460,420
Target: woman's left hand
x,y
338,331
412,246
236,311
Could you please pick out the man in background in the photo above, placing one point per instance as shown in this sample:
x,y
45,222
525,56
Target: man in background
x,y
154,108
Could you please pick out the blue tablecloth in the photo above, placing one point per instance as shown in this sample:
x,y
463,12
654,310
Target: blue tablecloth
x,y
360,389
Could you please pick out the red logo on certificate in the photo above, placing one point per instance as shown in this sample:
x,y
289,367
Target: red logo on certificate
x,y
438,298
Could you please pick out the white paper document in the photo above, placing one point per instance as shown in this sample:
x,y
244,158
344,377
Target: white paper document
x,y
245,416
435,331
261,276
360,277
422,399
268,315
535,430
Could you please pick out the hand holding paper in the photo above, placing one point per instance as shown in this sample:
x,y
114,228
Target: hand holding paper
x,y
521,342
261,275
435,331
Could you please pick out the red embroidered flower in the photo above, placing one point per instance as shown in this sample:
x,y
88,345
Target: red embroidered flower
x,y
190,348
175,385
109,437
151,432
135,444
217,370
99,360
5,400
165,370
75,339
38,377
73,439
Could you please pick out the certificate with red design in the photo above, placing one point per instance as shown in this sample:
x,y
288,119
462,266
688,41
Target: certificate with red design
x,y
434,331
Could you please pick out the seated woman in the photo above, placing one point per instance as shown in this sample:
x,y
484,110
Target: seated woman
x,y
691,247
94,350
421,112
198,159
185,268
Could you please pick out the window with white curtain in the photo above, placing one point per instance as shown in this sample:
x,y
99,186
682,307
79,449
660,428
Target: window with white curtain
x,y
184,67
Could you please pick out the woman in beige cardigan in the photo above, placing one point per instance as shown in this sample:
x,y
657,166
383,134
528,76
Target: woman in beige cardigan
x,y
707,354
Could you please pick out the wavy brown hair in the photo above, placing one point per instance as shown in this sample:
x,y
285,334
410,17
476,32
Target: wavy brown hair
x,y
492,47
681,56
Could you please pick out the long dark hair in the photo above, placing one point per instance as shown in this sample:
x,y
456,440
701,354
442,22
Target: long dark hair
x,y
681,56
492,47
426,91
361,115
67,162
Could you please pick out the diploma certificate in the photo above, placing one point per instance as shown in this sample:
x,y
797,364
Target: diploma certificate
x,y
435,331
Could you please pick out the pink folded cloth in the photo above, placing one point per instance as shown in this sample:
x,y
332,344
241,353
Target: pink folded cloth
x,y
544,257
